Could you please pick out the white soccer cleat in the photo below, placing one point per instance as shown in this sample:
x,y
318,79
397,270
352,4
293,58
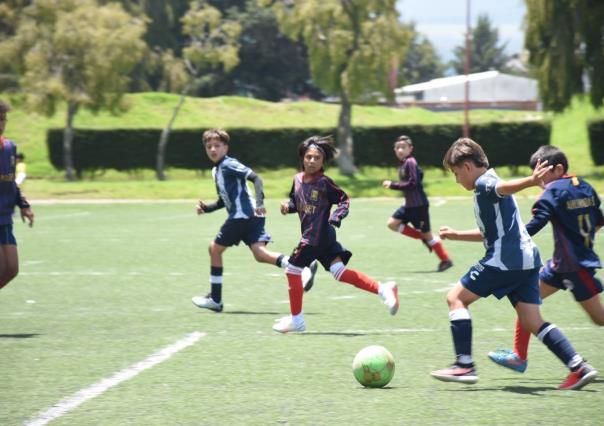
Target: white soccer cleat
x,y
207,303
288,325
308,275
389,295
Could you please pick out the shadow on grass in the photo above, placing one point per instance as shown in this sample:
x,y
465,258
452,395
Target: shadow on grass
x,y
332,333
531,390
262,313
19,336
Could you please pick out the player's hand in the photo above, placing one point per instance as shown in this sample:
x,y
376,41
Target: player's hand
x,y
201,207
386,183
541,169
284,207
260,212
29,215
334,222
447,233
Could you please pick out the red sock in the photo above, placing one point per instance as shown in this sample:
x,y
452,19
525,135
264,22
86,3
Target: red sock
x,y
440,251
521,341
411,232
296,291
359,280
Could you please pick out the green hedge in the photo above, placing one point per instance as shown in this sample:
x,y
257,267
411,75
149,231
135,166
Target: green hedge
x,y
506,144
595,129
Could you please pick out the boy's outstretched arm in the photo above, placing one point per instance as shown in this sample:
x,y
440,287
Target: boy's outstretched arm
x,y
535,179
259,190
447,233
209,208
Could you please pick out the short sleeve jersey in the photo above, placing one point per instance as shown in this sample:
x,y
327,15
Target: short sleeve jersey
x,y
313,200
507,242
573,208
410,182
231,185
8,187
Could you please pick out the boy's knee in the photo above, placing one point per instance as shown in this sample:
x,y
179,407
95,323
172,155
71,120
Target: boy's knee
x,y
393,224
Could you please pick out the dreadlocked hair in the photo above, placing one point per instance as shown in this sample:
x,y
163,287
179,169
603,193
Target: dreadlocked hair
x,y
323,143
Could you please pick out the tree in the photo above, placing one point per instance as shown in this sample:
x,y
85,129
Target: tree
x,y
212,44
352,46
421,63
485,53
565,40
76,52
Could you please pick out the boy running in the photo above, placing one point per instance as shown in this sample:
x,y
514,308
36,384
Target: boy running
x,y
416,207
311,196
573,208
509,268
245,221
10,195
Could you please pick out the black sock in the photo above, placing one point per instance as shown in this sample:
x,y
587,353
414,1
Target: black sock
x,y
557,342
216,281
462,341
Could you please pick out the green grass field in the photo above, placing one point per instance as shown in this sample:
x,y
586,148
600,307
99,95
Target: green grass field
x,y
104,286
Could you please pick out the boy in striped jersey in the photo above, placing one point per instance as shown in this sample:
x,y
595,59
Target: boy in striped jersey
x,y
573,208
509,268
245,221
415,211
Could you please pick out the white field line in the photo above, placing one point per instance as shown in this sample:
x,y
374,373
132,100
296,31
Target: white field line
x,y
67,404
63,216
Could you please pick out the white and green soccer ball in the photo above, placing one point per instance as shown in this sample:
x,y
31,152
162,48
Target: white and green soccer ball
x,y
373,366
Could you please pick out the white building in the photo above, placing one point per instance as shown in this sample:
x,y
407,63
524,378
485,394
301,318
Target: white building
x,y
490,89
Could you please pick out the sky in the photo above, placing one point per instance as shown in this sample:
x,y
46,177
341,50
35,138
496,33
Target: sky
x,y
444,21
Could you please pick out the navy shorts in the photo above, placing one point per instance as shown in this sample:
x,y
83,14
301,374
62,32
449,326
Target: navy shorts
x,y
418,216
582,283
6,235
518,286
250,231
304,254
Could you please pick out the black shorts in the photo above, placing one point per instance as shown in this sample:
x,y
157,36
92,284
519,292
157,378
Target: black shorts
x,y
418,216
304,254
250,231
7,238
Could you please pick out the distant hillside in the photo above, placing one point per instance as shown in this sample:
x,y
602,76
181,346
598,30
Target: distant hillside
x,y
154,110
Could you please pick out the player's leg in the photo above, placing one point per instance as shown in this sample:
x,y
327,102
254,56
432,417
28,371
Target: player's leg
x,y
213,300
256,237
302,256
594,309
9,263
337,258
399,223
581,373
459,299
586,290
517,358
420,218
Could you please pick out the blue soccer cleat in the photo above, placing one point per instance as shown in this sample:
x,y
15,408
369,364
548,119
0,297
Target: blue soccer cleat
x,y
509,359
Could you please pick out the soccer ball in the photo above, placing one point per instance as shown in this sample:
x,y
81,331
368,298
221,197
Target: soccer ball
x,y
373,366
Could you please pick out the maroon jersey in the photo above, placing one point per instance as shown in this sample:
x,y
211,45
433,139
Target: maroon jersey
x,y
313,200
410,182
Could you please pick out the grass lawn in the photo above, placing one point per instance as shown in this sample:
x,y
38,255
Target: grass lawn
x,y
103,287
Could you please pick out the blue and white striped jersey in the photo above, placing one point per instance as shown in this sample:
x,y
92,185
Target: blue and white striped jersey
x,y
230,178
508,244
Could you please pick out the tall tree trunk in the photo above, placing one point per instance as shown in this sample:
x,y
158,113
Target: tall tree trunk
x,y
72,109
165,137
345,159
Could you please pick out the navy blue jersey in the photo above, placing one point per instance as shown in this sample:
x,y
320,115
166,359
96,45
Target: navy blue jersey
x,y
410,182
9,191
573,208
508,244
312,201
231,184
